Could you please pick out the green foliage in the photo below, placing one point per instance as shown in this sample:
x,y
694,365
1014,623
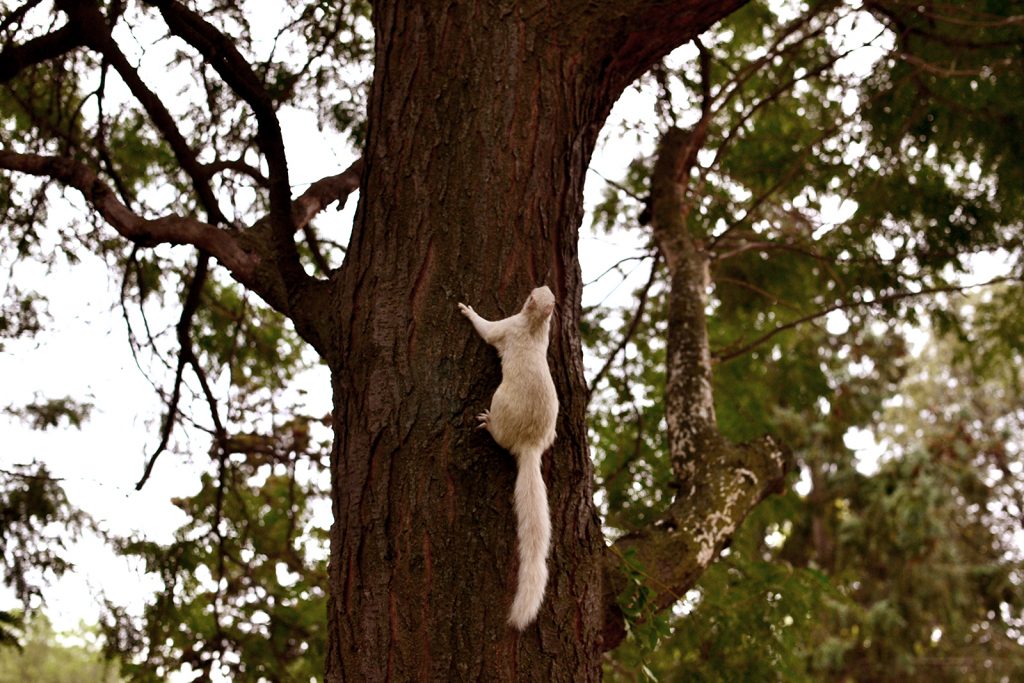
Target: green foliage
x,y
244,579
907,573
50,657
251,343
20,315
53,413
645,625
36,524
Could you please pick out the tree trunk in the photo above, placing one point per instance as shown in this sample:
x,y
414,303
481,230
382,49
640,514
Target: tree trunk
x,y
482,118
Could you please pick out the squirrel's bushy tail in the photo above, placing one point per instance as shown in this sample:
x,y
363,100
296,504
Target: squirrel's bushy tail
x,y
534,531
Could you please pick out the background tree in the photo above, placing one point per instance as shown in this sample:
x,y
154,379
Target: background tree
x,y
479,125
830,584
42,658
37,521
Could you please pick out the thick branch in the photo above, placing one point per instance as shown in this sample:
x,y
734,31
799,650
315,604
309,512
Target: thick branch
x,y
637,33
727,482
16,58
148,232
249,255
185,357
689,405
322,193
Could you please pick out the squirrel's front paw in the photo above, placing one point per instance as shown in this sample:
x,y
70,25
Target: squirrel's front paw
x,y
466,310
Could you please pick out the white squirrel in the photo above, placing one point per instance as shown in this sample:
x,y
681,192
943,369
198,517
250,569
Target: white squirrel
x,y
522,421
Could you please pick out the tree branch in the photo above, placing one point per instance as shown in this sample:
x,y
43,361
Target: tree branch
x,y
239,166
248,255
169,229
221,53
949,72
186,356
634,34
633,325
91,23
727,482
319,195
16,58
15,16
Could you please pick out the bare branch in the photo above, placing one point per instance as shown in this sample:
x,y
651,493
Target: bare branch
x,y
239,166
765,245
16,15
775,300
100,141
186,356
168,425
617,266
220,51
779,47
93,25
631,330
949,72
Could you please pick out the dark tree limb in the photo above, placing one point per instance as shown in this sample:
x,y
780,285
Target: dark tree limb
x,y
186,356
634,34
100,140
244,254
323,192
239,166
15,16
704,60
169,229
16,58
220,51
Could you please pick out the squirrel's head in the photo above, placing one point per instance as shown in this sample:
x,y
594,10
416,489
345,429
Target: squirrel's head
x,y
540,303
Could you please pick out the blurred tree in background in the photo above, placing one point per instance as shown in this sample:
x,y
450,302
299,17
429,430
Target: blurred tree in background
x,y
824,193
48,657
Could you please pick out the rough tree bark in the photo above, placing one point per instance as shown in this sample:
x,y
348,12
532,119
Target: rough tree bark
x,y
482,119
